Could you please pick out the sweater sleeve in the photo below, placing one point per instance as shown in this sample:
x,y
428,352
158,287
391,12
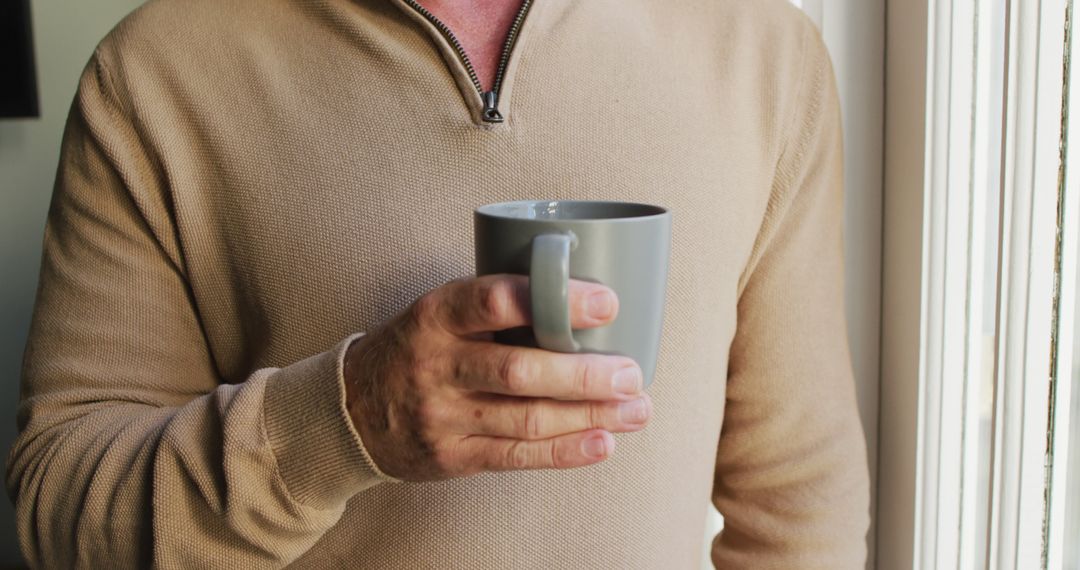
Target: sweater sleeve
x,y
791,474
132,451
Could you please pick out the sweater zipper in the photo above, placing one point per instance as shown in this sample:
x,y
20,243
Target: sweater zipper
x,y
490,99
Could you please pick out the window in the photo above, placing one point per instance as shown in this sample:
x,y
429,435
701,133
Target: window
x,y
979,464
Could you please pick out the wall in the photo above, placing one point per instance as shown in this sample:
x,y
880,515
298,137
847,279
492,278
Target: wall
x,y
65,33
854,31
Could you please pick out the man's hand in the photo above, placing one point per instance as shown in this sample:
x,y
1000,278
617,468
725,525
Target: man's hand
x,y
433,397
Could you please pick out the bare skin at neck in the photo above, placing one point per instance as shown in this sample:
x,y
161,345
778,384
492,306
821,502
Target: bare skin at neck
x,y
481,26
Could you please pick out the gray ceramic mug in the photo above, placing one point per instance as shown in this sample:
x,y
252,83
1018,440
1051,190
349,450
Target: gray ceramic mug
x,y
622,245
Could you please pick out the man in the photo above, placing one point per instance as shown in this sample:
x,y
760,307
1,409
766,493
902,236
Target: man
x,y
247,186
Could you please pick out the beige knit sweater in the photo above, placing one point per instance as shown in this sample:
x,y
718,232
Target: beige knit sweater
x,y
245,185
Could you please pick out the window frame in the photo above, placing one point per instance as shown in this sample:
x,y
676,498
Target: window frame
x,y
925,82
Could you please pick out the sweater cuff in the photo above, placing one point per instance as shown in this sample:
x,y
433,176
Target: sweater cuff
x,y
319,453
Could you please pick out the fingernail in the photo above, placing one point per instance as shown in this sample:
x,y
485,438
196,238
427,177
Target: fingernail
x,y
627,381
635,412
600,305
594,447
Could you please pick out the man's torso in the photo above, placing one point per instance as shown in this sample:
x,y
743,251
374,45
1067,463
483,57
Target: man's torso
x,y
323,161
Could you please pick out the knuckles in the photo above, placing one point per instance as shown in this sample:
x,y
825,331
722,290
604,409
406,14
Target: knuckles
x,y
429,417
586,375
422,353
516,371
495,300
517,455
451,457
425,367
445,459
595,415
424,312
554,460
532,427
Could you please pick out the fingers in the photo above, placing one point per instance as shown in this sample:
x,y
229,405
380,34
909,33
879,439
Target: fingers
x,y
562,452
517,371
500,302
541,418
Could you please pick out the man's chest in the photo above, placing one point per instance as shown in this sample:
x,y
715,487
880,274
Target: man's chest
x,y
329,212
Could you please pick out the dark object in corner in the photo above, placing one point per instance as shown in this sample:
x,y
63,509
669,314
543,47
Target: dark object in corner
x,y
18,80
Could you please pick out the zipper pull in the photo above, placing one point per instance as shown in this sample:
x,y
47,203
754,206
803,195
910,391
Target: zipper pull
x,y
491,112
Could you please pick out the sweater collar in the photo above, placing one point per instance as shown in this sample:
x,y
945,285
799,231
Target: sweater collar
x,y
536,17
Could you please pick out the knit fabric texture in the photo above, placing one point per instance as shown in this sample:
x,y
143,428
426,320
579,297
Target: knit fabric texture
x,y
246,186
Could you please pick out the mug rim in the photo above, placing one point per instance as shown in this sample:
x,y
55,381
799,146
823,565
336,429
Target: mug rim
x,y
487,210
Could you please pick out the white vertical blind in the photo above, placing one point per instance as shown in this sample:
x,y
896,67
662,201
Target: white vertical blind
x,y
959,270
1030,184
994,77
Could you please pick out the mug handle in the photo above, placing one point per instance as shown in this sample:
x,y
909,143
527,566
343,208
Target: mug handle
x,y
549,289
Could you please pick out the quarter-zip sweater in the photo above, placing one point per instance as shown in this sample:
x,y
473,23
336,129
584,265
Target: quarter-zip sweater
x,y
247,185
